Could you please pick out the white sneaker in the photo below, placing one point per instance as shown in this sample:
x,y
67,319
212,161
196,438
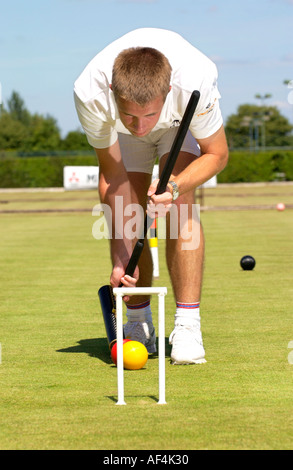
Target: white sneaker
x,y
144,332
187,345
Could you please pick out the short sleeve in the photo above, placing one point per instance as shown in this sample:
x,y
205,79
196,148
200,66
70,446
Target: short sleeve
x,y
208,117
99,132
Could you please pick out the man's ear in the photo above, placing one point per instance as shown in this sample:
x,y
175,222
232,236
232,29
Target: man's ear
x,y
110,86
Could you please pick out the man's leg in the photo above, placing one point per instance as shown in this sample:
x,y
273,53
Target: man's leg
x,y
139,326
139,183
185,256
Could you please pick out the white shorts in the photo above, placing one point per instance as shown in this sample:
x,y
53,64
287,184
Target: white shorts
x,y
139,153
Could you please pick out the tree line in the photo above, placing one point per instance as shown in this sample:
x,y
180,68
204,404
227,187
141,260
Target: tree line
x,y
257,127
251,127
25,132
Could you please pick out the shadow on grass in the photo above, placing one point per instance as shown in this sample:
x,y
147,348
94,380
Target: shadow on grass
x,y
98,348
115,398
93,347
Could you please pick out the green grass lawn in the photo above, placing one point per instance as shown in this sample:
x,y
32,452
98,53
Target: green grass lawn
x,y
58,387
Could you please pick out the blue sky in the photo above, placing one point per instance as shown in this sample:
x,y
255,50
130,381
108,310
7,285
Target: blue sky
x,y
45,44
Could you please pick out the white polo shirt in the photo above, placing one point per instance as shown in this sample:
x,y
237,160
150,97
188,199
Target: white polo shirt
x,y
191,70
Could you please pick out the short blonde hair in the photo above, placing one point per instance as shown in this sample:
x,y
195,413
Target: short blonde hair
x,y
140,75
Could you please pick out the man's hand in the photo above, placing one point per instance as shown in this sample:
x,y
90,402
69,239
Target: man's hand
x,y
158,204
118,277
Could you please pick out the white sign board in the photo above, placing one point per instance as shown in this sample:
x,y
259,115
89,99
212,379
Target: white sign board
x,y
87,177
212,183
80,177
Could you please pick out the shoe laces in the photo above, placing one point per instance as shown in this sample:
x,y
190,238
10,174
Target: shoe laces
x,y
185,333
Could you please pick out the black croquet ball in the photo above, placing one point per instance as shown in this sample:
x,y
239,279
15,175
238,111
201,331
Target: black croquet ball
x,y
247,263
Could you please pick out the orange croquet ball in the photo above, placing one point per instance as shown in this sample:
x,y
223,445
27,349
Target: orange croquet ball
x,y
114,351
135,355
280,206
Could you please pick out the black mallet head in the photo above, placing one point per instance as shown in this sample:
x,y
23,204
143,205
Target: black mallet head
x,y
247,263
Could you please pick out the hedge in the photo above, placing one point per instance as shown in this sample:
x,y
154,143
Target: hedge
x,y
246,167
38,172
42,172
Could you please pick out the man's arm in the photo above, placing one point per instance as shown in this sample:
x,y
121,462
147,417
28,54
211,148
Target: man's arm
x,y
213,159
114,189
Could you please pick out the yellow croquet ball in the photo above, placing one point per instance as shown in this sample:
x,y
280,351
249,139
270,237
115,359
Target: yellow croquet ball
x,y
135,355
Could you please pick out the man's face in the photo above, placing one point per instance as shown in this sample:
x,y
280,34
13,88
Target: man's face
x,y
137,119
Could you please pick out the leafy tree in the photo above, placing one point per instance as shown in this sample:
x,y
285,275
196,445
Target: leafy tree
x,y
258,126
17,109
75,140
12,132
20,130
44,134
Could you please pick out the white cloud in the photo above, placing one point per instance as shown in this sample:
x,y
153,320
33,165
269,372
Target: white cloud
x,y
259,62
288,2
281,104
288,57
219,60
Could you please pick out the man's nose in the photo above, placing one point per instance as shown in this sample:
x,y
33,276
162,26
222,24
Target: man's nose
x,y
138,124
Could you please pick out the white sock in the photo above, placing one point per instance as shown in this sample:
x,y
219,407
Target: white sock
x,y
187,314
139,312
